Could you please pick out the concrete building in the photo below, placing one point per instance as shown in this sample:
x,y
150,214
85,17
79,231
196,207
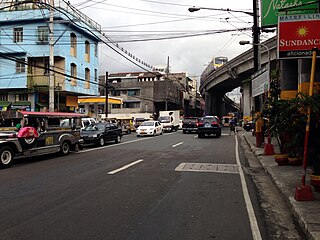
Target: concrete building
x,y
150,92
24,55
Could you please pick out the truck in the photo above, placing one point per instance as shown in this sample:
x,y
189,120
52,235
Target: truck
x,y
169,120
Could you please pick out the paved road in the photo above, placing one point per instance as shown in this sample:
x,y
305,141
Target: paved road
x,y
143,188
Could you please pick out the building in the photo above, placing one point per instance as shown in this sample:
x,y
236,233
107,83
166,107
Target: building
x,y
150,92
25,51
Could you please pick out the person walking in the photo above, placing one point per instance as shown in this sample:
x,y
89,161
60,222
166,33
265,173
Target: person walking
x,y
232,126
259,130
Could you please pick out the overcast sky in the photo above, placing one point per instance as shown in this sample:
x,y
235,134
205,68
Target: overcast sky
x,y
127,22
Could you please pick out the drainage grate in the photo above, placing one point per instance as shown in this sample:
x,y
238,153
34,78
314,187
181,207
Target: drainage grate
x,y
207,167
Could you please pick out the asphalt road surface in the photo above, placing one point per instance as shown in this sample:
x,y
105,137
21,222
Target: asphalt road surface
x,y
173,186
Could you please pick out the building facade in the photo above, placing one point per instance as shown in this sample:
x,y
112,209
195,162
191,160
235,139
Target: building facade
x,y
151,92
25,51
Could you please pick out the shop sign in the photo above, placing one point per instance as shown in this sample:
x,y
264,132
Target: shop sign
x,y
260,83
298,35
272,9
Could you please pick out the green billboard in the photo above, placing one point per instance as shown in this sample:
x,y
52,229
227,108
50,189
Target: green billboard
x,y
271,9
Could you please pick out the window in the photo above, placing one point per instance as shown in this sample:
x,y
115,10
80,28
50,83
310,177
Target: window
x,y
18,34
115,93
4,97
73,44
20,66
131,105
96,49
43,34
23,97
115,106
134,92
96,75
87,77
73,73
87,51
46,70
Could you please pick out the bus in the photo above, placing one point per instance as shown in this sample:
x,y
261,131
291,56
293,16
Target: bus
x,y
27,134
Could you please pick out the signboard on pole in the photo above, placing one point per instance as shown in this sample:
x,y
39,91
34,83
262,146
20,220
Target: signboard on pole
x,y
297,35
272,9
260,83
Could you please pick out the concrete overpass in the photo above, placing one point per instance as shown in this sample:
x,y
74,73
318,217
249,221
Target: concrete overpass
x,y
215,84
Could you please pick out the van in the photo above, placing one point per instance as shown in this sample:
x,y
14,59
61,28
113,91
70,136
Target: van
x,y
87,121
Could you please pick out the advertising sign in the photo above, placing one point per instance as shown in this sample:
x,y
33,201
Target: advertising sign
x,y
260,84
298,35
272,9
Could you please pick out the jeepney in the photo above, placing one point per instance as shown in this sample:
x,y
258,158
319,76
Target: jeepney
x,y
26,134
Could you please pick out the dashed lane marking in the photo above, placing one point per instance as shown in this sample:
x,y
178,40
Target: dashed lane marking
x,y
125,167
176,145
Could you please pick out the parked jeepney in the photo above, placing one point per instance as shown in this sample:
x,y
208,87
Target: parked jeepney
x,y
26,134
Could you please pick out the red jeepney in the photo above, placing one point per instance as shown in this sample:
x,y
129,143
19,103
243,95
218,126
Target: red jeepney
x,y
36,133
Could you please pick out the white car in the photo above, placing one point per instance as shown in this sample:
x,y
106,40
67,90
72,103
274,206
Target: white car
x,y
150,128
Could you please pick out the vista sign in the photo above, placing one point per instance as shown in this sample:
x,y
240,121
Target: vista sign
x,y
272,9
297,35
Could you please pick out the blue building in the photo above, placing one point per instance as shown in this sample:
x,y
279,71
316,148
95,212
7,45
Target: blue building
x,y
24,55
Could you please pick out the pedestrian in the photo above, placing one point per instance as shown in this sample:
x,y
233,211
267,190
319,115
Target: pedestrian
x,y
232,126
259,130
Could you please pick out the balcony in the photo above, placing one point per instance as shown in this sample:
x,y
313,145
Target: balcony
x,y
38,81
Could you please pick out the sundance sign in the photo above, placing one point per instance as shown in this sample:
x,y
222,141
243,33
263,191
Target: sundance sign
x,y
297,35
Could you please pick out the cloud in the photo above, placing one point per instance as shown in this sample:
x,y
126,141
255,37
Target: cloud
x,y
186,54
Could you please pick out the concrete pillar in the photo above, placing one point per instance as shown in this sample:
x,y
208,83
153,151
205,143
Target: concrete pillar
x,y
288,78
304,66
247,99
96,110
208,103
86,108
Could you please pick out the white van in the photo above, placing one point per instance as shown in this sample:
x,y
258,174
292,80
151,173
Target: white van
x,y
87,121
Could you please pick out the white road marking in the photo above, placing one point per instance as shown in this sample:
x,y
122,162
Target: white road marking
x,y
252,218
113,145
176,145
126,166
195,136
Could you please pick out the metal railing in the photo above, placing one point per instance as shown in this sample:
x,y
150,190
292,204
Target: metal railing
x,y
11,5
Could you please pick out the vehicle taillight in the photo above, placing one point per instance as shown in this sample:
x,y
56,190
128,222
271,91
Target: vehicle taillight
x,y
214,123
199,124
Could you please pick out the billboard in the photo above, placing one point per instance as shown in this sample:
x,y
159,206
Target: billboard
x,y
272,9
298,35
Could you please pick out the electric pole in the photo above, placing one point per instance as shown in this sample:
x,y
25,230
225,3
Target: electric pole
x,y
51,59
106,89
167,82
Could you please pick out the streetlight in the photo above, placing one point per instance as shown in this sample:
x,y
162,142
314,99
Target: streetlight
x,y
255,33
194,9
268,147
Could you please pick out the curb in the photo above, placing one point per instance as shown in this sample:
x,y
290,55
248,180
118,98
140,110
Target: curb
x,y
288,199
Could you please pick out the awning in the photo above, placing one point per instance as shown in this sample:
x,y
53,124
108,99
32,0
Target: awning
x,y
42,104
91,100
22,103
5,104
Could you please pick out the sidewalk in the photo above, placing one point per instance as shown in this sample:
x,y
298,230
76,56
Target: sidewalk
x,y
286,178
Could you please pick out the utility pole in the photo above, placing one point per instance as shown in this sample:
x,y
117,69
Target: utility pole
x,y
167,82
256,46
51,59
106,89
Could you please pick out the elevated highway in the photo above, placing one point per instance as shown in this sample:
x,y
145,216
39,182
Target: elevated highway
x,y
237,72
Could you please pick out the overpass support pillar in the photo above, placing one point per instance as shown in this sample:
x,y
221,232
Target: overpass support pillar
x,y
208,103
247,100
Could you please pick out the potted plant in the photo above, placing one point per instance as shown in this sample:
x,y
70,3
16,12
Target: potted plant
x,y
314,139
287,124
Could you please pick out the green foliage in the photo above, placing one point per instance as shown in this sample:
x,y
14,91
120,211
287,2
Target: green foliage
x,y
288,120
